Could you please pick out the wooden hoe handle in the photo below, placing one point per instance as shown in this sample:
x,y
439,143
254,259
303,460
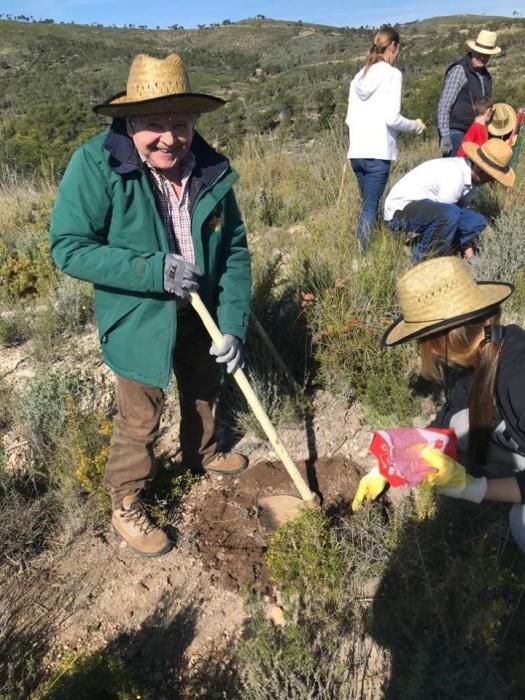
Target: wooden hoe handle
x,y
240,377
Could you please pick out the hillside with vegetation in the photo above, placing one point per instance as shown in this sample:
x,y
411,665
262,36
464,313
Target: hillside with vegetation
x,y
412,597
290,79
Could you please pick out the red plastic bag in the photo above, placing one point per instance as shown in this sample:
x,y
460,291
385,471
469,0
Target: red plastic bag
x,y
398,452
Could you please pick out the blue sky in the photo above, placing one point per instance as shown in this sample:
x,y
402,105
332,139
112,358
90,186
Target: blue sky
x,y
336,12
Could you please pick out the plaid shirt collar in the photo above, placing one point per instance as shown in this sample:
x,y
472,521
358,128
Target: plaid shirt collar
x,y
188,165
175,211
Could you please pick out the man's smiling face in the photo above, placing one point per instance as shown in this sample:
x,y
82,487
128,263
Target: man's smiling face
x,y
163,140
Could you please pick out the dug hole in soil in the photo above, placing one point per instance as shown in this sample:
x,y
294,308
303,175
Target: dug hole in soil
x,y
227,533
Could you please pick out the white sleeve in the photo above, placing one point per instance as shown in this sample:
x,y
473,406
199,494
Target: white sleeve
x,y
347,120
394,118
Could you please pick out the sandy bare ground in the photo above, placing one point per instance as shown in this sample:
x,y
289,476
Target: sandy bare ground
x,y
180,615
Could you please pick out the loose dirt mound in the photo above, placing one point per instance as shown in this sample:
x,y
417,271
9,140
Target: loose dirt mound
x,y
227,533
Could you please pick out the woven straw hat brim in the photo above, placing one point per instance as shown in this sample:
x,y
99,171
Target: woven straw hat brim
x,y
509,117
400,331
506,178
479,49
119,106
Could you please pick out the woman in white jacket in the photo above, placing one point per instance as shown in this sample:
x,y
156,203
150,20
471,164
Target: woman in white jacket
x,y
373,120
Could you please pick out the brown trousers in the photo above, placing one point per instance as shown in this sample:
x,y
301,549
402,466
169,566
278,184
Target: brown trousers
x,y
131,462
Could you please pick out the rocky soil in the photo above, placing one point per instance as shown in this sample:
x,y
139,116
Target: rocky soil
x,y
172,617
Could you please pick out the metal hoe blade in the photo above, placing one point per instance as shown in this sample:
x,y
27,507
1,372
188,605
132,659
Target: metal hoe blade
x,y
276,511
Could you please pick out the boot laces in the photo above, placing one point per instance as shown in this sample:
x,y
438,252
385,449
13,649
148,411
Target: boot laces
x,y
138,514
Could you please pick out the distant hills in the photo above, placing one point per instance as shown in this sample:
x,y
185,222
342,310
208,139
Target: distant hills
x,y
287,77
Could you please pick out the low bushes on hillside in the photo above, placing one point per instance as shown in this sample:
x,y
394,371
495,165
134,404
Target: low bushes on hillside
x,y
424,601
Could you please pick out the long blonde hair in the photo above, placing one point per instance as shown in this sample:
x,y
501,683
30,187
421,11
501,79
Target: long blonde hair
x,y
382,40
464,347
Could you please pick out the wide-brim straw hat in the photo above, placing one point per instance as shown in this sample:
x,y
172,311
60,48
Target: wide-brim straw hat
x,y
439,294
485,43
493,157
155,86
503,119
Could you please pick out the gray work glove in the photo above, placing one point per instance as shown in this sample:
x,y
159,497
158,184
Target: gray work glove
x,y
231,351
180,276
445,144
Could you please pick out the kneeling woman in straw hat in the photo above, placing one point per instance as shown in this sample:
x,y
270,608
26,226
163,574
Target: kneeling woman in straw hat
x,y
456,322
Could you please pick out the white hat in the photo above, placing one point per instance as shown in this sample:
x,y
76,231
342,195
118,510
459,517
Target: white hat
x,y
485,43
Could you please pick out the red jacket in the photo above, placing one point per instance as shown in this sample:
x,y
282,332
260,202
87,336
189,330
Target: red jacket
x,y
476,133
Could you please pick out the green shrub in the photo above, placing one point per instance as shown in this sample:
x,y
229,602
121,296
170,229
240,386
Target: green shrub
x,y
86,677
447,601
502,254
72,301
13,331
86,445
304,558
348,319
311,656
43,409
25,273
422,601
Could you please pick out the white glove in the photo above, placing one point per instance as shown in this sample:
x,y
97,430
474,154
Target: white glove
x,y
231,352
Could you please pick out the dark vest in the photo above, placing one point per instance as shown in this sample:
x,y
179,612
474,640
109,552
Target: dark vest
x,y
479,84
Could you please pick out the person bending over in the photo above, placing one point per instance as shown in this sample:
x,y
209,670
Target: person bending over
x,y
428,202
462,342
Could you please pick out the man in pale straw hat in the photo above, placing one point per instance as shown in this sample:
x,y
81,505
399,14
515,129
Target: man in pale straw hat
x,y
146,212
465,79
456,322
427,201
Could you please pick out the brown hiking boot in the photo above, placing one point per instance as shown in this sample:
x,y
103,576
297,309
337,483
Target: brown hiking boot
x,y
228,464
132,523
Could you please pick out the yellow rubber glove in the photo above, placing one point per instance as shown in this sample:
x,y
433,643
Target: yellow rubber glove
x,y
370,487
421,126
451,478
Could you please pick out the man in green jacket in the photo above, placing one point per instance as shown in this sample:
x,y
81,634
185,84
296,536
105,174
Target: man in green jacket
x,y
146,212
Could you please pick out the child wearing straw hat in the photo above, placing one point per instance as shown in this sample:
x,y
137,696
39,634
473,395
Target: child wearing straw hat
x,y
465,79
146,212
503,121
456,322
428,201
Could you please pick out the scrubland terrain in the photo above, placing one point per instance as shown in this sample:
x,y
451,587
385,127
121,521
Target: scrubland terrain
x,y
412,597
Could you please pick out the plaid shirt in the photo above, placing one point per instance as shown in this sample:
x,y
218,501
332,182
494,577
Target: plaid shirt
x,y
454,81
175,212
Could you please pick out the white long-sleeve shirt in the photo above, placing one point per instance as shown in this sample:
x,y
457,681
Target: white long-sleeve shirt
x,y
373,115
445,180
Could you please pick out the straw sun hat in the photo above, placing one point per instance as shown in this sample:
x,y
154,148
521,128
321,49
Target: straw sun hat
x,y
438,294
155,86
493,157
485,43
503,119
